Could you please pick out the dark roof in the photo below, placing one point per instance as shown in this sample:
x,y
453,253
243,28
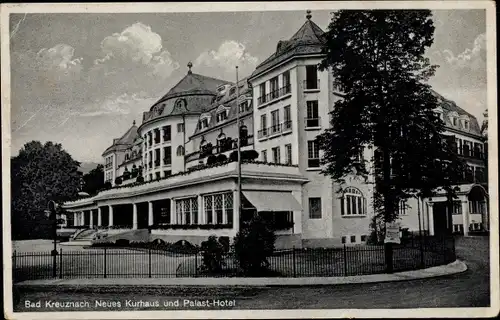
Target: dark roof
x,y
228,100
309,39
448,107
124,142
194,84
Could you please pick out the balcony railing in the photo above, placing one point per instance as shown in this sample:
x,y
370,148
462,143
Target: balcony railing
x,y
313,122
108,165
275,129
311,84
228,145
275,94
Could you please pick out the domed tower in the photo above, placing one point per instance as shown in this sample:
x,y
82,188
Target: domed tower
x,y
171,120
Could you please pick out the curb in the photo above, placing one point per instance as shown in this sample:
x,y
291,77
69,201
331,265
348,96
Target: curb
x,y
121,283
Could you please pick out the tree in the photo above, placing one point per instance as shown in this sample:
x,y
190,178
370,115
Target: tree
x,y
377,60
40,173
93,181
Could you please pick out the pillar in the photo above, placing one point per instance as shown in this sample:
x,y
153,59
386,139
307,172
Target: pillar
x,y
91,218
431,218
173,213
110,223
150,213
201,216
465,217
134,216
82,218
75,219
99,216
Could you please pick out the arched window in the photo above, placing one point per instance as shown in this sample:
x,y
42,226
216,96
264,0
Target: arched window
x,y
180,150
243,131
353,203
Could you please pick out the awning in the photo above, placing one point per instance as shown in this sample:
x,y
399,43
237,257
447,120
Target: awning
x,y
273,200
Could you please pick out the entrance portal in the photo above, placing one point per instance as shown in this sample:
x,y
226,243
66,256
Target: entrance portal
x,y
442,219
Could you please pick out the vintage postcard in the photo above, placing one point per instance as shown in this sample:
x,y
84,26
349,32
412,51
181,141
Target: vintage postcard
x,y
250,160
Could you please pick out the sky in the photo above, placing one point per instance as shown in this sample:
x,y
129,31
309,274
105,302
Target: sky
x,y
81,79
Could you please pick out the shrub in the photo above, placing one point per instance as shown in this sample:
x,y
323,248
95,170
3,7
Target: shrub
x,y
118,180
211,159
249,155
233,156
253,244
221,158
224,241
107,185
213,255
183,246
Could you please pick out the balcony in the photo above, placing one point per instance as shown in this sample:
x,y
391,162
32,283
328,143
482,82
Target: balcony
x,y
108,165
471,153
226,145
274,95
313,123
311,85
275,130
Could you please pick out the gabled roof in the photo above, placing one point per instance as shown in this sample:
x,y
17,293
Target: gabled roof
x,y
309,39
125,141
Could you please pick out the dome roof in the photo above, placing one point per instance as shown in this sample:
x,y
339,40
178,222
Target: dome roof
x,y
191,95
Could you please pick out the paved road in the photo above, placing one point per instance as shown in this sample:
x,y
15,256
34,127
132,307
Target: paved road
x,y
468,289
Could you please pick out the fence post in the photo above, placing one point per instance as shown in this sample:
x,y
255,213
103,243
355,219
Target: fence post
x,y
105,262
293,259
149,258
196,264
345,261
444,250
14,260
60,263
421,247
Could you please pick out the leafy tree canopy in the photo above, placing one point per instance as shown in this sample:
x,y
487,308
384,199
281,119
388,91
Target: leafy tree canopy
x,y
94,180
377,61
40,173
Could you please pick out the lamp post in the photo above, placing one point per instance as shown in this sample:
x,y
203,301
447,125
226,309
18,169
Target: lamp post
x,y
51,214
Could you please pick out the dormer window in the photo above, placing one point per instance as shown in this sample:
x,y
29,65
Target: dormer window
x,y
466,125
454,120
244,106
221,116
232,91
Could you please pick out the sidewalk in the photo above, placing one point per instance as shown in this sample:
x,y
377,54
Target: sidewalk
x,y
449,269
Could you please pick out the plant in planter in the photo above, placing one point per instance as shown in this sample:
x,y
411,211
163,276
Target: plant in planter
x,y
233,156
118,181
249,155
211,159
107,185
221,158
140,179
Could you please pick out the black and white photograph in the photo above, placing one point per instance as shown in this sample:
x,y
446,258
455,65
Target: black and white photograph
x,y
250,160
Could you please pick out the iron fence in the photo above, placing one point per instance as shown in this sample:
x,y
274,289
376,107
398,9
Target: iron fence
x,y
145,260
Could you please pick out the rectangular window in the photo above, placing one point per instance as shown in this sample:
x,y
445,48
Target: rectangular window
x,y
403,205
219,208
150,162
311,77
276,154
167,156
312,119
287,115
457,207
150,177
313,154
167,133
157,157
274,88
288,153
275,121
314,208
363,238
353,239
180,127
286,82
157,135
187,210
167,173
157,176
264,155
262,98
221,116
343,239
263,126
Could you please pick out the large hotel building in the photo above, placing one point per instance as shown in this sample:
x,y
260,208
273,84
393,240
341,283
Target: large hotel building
x,y
173,179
